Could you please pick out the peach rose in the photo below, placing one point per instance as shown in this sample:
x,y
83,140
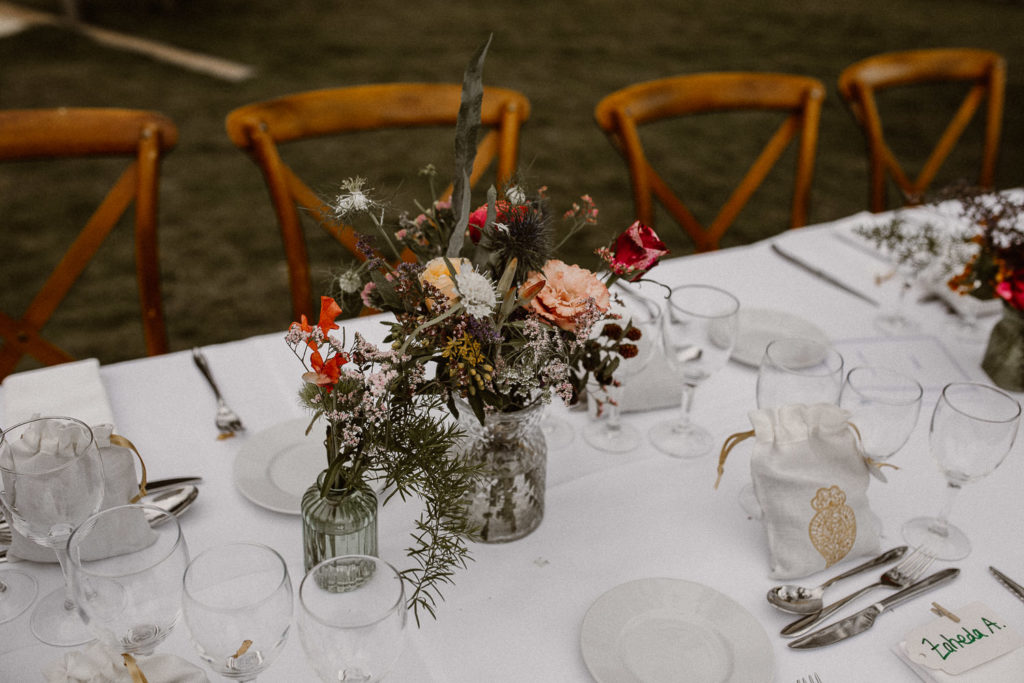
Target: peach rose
x,y
566,296
436,273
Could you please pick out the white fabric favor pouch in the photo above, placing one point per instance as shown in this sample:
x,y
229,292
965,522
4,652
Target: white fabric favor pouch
x,y
811,481
120,487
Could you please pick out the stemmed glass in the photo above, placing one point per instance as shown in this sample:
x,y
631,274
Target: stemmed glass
x,y
798,370
352,618
794,370
237,603
17,591
52,481
699,326
611,435
972,430
884,406
127,564
893,320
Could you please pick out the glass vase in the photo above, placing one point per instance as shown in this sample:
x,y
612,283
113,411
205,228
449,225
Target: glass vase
x,y
344,522
1004,356
507,501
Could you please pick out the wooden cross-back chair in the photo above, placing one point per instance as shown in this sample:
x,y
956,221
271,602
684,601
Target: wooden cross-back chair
x,y
621,114
142,138
260,127
984,73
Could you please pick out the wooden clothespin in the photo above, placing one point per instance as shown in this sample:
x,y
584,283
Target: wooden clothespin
x,y
943,612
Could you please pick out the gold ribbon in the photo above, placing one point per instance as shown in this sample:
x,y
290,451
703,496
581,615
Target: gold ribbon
x,y
118,440
727,447
246,644
133,669
871,462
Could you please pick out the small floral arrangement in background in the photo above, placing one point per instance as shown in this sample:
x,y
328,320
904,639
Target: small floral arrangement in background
x,y
983,257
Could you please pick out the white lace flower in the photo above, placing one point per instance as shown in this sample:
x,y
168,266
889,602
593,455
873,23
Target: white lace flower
x,y
353,199
476,293
515,195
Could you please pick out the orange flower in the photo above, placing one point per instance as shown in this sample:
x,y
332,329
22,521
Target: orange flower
x,y
329,310
567,294
325,373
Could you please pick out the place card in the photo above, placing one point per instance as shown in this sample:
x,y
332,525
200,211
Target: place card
x,y
979,637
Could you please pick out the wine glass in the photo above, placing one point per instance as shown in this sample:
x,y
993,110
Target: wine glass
x,y
237,603
352,618
605,401
699,325
884,406
794,370
798,370
52,481
893,319
127,563
972,430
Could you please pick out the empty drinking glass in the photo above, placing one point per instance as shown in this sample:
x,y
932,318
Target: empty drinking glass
x,y
972,430
127,564
699,325
352,618
883,406
237,604
798,370
51,480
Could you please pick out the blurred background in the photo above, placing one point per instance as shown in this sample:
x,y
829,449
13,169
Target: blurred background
x,y
224,275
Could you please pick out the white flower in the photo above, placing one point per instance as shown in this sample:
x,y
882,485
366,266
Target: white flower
x,y
349,282
353,199
476,293
515,195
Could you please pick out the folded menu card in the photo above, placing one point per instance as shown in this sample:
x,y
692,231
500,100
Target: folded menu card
x,y
66,390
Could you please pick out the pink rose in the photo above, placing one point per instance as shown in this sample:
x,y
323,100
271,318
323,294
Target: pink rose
x,y
570,294
1011,290
635,252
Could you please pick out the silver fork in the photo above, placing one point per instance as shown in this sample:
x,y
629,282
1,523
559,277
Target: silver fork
x,y
910,569
813,678
227,420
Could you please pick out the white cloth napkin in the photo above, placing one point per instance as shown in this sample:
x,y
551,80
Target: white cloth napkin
x,y
67,390
99,664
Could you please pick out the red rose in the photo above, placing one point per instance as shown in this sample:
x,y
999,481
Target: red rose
x,y
635,252
503,211
1011,290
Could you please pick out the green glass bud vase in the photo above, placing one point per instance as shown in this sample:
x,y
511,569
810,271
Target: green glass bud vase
x,y
1004,356
507,501
343,522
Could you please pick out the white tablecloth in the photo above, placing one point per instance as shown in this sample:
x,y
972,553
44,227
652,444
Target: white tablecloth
x,y
515,614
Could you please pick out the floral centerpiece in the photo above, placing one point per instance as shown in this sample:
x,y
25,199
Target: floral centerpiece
x,y
495,323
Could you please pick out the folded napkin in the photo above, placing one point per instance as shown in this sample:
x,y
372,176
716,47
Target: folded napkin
x,y
99,664
68,390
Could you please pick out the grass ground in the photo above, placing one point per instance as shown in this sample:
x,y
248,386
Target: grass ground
x,y
223,271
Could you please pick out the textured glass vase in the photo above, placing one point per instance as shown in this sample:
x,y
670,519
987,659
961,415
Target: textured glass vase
x,y
340,523
1004,356
508,501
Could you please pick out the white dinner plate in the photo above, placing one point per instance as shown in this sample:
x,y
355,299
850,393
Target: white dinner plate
x,y
759,326
663,630
274,467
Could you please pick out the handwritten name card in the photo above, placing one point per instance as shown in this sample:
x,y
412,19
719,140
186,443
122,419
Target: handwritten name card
x,y
980,636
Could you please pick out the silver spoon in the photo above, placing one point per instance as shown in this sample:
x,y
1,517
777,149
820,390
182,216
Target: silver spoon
x,y
801,600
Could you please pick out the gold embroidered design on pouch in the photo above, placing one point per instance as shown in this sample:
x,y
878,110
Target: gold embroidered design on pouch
x,y
833,529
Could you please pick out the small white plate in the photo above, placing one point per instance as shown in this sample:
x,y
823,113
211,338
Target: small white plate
x,y
663,630
274,467
759,326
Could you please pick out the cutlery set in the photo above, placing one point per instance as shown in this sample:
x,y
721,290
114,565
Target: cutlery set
x,y
906,575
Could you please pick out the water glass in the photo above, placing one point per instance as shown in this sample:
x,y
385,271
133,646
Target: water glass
x,y
798,370
127,564
352,618
237,603
884,406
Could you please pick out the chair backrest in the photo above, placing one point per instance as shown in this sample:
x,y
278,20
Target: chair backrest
x,y
260,127
140,136
982,70
621,113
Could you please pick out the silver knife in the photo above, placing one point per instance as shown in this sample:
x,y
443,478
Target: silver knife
x,y
818,272
1010,584
865,619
